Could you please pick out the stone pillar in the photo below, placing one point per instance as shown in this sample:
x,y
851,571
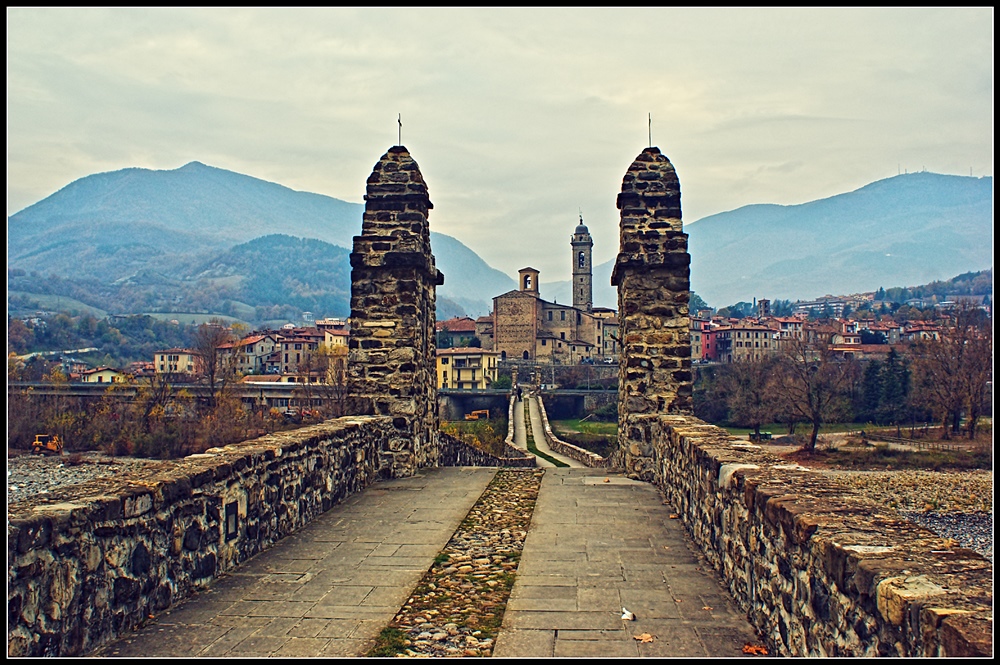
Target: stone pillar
x,y
393,291
652,274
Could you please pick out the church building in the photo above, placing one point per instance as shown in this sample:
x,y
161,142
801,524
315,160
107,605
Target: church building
x,y
526,327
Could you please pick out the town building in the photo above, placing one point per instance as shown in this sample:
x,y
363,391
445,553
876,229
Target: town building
x,y
466,368
252,352
743,341
102,375
176,361
527,327
456,332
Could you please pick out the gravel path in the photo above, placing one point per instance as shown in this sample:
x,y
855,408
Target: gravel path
x,y
458,606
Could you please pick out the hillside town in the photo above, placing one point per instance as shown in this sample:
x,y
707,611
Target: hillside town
x,y
525,328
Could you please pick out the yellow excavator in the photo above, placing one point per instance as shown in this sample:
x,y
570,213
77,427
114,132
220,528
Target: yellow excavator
x,y
47,444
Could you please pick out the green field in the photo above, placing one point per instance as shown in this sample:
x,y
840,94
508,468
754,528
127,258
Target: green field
x,y
587,426
58,304
186,318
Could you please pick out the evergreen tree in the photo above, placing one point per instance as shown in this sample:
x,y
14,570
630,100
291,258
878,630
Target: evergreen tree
x,y
871,392
894,400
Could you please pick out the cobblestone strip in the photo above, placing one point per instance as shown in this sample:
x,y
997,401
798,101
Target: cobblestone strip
x,y
458,606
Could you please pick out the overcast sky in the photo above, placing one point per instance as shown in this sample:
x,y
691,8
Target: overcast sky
x,y
519,118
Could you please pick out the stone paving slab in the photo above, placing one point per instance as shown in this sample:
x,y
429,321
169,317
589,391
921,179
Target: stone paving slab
x,y
326,590
595,547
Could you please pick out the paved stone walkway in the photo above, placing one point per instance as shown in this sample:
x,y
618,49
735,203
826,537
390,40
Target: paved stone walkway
x,y
594,547
328,589
599,543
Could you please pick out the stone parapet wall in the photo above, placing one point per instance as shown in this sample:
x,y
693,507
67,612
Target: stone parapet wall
x,y
818,569
568,449
93,561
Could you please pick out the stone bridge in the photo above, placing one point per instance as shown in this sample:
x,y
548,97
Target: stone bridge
x,y
815,569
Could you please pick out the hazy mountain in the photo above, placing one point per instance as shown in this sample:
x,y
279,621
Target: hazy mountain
x,y
908,229
131,238
140,224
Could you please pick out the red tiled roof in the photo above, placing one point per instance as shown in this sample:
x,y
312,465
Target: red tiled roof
x,y
464,324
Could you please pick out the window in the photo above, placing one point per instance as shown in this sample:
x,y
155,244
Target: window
x,y
562,313
562,335
581,260
543,341
550,313
444,360
525,354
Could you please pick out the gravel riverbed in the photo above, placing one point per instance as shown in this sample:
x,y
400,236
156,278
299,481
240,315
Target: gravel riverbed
x,y
38,475
952,504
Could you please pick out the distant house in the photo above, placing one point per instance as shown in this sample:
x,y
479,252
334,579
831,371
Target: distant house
x,y
102,375
745,341
141,370
176,361
458,331
296,348
252,352
699,348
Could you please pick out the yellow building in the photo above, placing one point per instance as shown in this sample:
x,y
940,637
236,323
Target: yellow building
x,y
466,368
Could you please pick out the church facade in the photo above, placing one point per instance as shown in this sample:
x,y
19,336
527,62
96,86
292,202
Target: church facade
x,y
526,327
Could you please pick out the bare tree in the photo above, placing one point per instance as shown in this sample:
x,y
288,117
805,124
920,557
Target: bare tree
x,y
812,384
331,362
748,385
952,375
215,364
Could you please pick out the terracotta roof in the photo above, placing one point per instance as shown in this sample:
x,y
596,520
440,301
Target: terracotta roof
x,y
464,324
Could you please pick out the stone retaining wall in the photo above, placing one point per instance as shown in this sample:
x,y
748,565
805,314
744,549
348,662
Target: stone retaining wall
x,y
455,452
819,570
568,449
92,561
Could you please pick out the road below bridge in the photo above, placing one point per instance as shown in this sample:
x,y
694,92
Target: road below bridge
x,y
521,434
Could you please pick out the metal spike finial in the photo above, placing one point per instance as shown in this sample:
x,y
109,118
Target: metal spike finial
x,y
650,130
399,138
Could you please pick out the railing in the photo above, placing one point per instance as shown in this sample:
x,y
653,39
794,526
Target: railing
x,y
919,444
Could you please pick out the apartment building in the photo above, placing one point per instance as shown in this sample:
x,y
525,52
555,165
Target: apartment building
x,y
466,368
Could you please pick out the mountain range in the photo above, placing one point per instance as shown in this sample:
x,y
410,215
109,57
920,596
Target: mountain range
x,y
902,231
200,238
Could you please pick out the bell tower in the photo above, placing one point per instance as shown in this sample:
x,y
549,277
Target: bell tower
x,y
583,277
